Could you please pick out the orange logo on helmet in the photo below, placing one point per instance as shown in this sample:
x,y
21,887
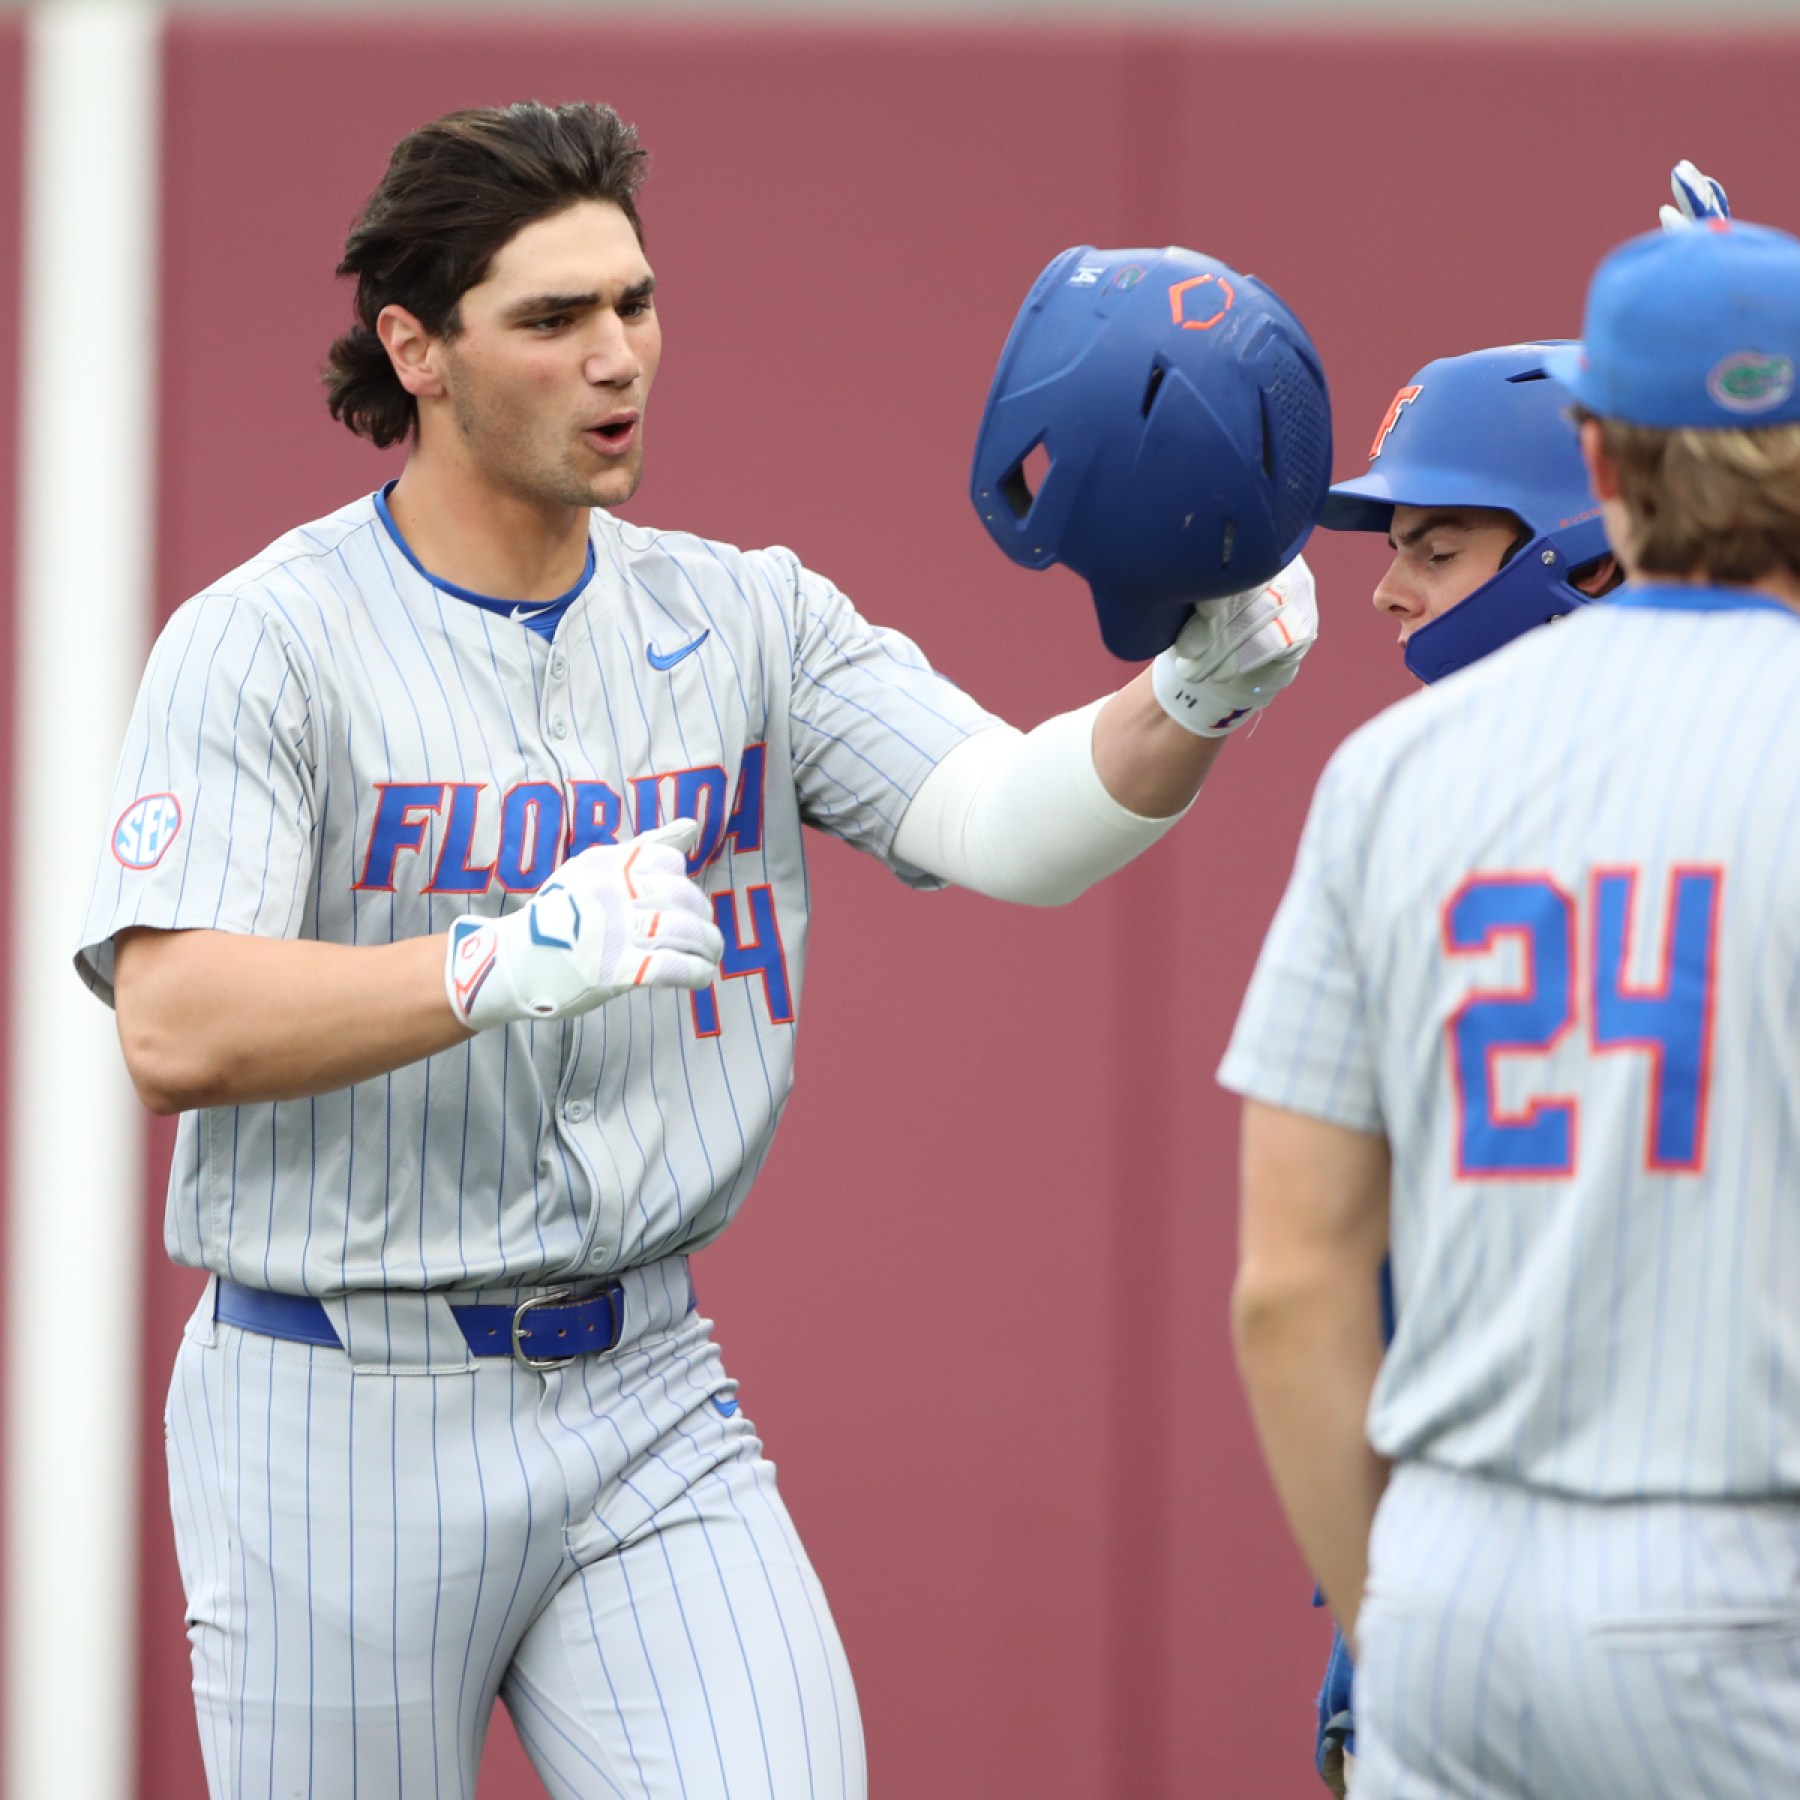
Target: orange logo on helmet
x,y
1178,302
1405,397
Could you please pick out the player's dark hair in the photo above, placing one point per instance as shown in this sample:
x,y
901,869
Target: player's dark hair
x,y
456,192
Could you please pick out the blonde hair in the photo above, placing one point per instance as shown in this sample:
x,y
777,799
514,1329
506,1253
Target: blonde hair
x,y
1724,504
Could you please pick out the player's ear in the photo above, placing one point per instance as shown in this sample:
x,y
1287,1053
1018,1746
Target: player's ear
x,y
412,349
1599,577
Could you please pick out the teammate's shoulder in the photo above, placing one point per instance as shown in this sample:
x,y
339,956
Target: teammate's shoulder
x,y
1521,664
1467,712
1414,723
1385,733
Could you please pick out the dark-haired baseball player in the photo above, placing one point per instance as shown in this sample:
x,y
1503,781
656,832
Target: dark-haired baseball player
x,y
455,897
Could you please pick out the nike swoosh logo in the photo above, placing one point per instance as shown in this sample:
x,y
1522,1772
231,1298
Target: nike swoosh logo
x,y
658,661
522,613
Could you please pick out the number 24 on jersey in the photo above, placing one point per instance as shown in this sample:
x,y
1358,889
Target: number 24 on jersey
x,y
1669,1023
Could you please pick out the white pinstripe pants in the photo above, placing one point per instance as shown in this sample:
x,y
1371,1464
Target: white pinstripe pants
x,y
376,1543
1516,1643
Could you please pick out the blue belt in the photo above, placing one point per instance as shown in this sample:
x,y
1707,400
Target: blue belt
x,y
544,1332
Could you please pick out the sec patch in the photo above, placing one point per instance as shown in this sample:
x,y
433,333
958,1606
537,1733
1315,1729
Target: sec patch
x,y
146,828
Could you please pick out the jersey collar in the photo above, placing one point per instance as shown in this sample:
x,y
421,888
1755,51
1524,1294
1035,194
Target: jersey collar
x,y
1682,596
541,616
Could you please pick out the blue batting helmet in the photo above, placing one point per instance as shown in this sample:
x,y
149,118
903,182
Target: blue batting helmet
x,y
1485,429
1179,416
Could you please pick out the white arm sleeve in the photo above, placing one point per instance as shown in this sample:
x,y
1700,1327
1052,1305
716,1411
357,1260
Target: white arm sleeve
x,y
1023,816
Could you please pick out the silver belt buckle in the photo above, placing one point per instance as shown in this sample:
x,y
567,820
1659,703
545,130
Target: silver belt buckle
x,y
555,1297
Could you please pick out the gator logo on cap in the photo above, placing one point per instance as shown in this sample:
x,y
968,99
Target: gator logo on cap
x,y
1747,381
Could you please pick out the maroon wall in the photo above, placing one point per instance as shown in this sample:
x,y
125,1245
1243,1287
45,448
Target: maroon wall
x,y
978,1302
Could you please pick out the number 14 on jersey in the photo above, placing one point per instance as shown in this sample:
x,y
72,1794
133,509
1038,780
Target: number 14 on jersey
x,y
1668,1023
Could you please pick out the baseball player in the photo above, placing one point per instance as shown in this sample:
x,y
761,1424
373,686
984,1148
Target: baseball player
x,y
1527,1016
1480,487
455,898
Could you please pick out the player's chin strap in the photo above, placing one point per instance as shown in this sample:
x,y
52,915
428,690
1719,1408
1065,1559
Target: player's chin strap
x,y
1532,589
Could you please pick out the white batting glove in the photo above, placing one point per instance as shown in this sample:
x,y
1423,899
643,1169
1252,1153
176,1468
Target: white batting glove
x,y
1235,655
1697,198
615,917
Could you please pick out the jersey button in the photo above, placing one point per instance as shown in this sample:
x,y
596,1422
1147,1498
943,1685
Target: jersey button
x,y
560,727
597,1255
576,1111
559,664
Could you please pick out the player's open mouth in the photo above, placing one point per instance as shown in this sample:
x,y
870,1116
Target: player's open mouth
x,y
614,435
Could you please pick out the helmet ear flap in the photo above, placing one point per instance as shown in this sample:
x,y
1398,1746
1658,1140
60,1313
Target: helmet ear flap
x,y
1531,589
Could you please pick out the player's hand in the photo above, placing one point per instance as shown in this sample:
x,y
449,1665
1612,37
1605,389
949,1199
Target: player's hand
x,y
615,917
1235,655
1697,198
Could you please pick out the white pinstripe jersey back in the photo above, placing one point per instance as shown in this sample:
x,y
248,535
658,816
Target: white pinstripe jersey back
x,y
327,746
1543,933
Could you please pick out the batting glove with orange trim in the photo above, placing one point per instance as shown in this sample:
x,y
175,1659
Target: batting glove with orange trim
x,y
1235,655
613,918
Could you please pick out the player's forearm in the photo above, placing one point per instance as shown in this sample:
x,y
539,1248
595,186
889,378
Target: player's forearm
x,y
1309,1353
212,1018
1306,1316
1148,763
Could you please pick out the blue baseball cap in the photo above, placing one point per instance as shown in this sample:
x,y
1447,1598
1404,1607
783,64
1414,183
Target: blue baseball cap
x,y
1699,327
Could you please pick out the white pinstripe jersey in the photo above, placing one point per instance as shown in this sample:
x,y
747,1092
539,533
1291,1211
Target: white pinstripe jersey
x,y
1543,933
326,745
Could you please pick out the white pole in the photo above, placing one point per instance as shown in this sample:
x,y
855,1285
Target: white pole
x,y
75,1138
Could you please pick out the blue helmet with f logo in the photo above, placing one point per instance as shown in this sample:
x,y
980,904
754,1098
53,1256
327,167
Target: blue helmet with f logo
x,y
1486,429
